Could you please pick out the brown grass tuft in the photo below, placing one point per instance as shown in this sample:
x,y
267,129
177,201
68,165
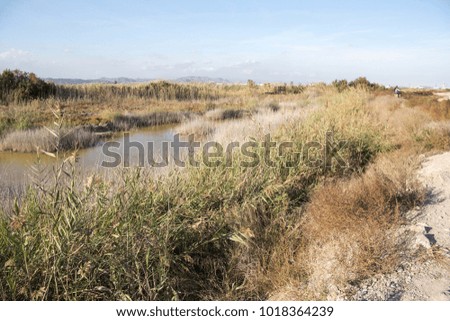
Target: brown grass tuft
x,y
224,114
350,225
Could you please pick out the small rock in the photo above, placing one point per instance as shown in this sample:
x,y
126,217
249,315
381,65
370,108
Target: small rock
x,y
422,240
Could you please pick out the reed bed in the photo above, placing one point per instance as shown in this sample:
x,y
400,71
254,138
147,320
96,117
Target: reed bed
x,y
32,140
224,114
129,121
159,90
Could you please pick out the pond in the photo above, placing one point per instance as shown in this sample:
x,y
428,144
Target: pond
x,y
16,168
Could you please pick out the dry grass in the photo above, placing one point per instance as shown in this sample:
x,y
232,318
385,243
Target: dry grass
x,y
224,114
129,121
199,127
225,127
348,232
259,124
350,226
419,129
432,104
31,140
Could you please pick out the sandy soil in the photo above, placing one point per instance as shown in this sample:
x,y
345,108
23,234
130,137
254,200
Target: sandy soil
x,y
434,223
435,175
444,96
426,276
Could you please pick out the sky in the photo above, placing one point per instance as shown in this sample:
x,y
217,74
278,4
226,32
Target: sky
x,y
388,41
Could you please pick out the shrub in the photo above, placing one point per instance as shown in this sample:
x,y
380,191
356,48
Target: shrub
x,y
17,86
362,82
340,85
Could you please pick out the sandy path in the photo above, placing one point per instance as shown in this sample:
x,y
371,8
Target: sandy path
x,y
432,280
444,96
427,276
435,217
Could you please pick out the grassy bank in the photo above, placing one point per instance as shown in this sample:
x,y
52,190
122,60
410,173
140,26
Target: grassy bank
x,y
127,122
31,140
233,232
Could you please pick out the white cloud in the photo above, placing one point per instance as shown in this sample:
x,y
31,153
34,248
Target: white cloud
x,y
15,54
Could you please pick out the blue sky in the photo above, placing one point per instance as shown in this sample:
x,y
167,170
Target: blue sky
x,y
392,42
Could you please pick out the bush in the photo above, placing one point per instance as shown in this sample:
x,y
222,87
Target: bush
x,y
360,82
19,86
340,85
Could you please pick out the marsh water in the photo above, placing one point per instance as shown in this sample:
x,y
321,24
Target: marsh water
x,y
16,168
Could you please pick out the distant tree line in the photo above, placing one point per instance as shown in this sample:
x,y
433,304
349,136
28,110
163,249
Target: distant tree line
x,y
283,89
161,90
18,86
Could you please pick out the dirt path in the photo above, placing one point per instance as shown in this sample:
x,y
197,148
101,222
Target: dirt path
x,y
434,224
426,277
444,96
435,175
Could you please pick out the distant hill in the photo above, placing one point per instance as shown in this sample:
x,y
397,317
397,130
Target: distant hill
x,y
73,81
201,79
125,80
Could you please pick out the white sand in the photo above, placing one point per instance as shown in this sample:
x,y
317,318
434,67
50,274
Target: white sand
x,y
444,96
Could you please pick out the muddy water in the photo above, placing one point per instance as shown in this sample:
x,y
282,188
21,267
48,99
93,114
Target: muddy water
x,y
16,172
